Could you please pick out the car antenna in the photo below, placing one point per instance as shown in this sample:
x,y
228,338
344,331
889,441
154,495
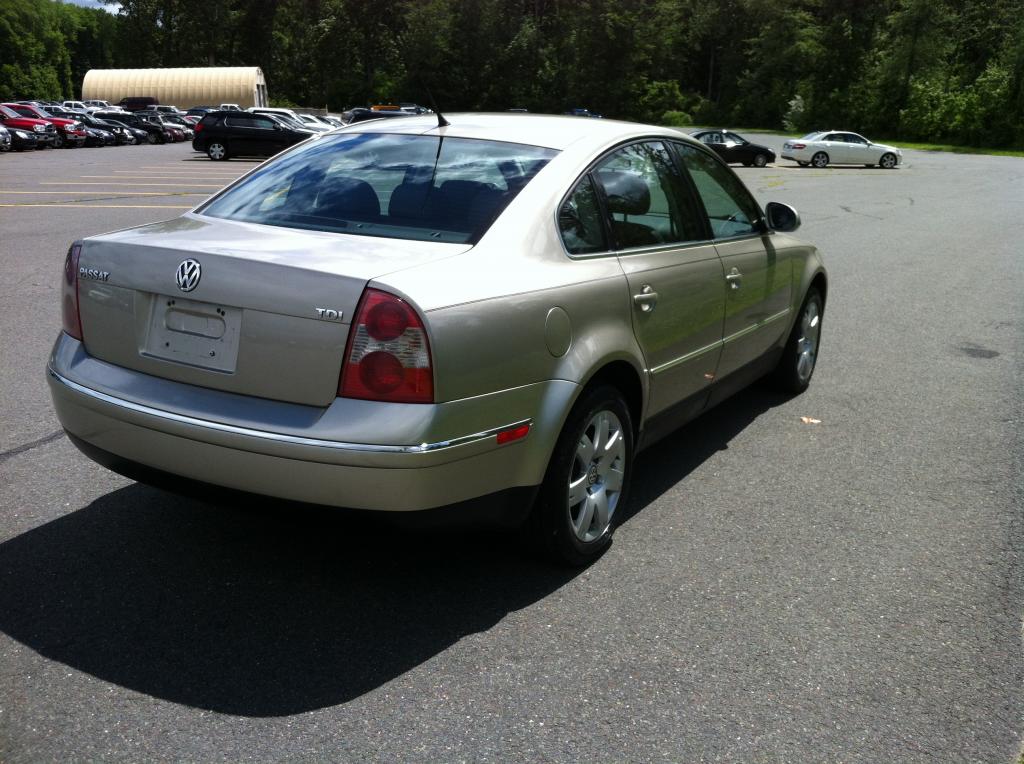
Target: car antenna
x,y
441,121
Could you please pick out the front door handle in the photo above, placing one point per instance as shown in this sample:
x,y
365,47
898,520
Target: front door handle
x,y
735,278
647,298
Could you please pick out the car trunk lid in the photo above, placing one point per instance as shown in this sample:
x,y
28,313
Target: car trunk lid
x,y
250,309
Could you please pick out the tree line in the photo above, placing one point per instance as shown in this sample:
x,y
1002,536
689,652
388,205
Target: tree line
x,y
934,70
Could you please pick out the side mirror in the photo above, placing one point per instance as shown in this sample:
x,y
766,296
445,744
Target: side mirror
x,y
782,217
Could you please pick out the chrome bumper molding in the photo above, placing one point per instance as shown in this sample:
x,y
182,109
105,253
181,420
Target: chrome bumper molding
x,y
278,437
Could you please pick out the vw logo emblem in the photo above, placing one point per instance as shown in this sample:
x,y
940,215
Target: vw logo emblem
x,y
188,275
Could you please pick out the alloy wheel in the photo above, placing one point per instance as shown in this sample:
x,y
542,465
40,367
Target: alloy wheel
x,y
216,151
597,476
807,342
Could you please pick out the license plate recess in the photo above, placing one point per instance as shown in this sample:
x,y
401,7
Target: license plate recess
x,y
195,333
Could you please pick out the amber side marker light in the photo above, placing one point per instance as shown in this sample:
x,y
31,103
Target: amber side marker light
x,y
516,433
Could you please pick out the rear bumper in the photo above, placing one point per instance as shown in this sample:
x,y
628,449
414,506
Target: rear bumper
x,y
298,452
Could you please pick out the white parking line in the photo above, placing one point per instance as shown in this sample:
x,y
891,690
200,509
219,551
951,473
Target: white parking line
x,y
106,206
133,173
115,183
160,177
124,194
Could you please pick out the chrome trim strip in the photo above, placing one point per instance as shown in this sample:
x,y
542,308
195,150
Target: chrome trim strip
x,y
688,357
277,437
720,343
755,327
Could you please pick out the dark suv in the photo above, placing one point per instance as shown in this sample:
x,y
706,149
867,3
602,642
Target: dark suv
x,y
224,134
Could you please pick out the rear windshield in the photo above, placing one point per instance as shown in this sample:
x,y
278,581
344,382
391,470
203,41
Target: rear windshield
x,y
376,184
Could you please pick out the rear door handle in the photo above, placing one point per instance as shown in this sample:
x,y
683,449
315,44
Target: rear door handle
x,y
647,298
735,278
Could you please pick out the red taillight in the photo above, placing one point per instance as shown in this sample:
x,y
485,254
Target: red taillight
x,y
198,128
799,145
72,321
388,354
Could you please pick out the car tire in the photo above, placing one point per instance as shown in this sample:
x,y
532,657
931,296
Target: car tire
x,y
796,367
587,480
217,151
58,141
820,160
151,139
760,160
888,161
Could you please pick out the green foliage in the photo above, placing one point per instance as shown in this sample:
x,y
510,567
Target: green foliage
x,y
933,70
660,97
675,119
795,118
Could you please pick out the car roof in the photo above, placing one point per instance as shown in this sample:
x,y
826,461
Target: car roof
x,y
550,131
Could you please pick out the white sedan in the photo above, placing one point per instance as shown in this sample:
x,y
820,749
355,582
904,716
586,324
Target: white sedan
x,y
823,148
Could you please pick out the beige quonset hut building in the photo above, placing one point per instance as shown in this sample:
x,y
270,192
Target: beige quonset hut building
x,y
184,88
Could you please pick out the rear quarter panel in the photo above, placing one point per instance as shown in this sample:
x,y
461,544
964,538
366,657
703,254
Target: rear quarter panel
x,y
487,309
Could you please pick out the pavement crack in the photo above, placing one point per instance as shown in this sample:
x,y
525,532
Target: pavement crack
x,y
11,453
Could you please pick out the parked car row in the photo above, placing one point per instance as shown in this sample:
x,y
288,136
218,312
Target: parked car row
x,y
28,125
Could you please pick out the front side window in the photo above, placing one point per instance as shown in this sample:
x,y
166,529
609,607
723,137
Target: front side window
x,y
709,138
418,187
646,199
730,208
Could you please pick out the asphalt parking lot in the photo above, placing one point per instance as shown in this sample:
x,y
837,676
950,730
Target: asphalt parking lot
x,y
833,577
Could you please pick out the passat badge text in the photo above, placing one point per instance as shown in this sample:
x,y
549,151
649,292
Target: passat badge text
x,y
93,274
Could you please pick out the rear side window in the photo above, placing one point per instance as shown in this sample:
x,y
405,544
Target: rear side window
x,y
579,221
208,120
646,199
376,184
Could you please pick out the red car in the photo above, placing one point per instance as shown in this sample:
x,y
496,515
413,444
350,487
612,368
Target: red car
x,y
44,132
70,132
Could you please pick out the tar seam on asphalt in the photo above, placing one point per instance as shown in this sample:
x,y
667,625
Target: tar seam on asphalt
x,y
5,455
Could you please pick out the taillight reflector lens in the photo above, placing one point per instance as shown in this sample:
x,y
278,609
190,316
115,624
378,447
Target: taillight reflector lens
x,y
799,145
70,317
388,354
516,433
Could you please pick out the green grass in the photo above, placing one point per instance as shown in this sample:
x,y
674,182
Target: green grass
x,y
957,149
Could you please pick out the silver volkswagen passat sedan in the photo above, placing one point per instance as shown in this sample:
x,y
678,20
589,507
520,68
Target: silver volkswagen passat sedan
x,y
491,316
